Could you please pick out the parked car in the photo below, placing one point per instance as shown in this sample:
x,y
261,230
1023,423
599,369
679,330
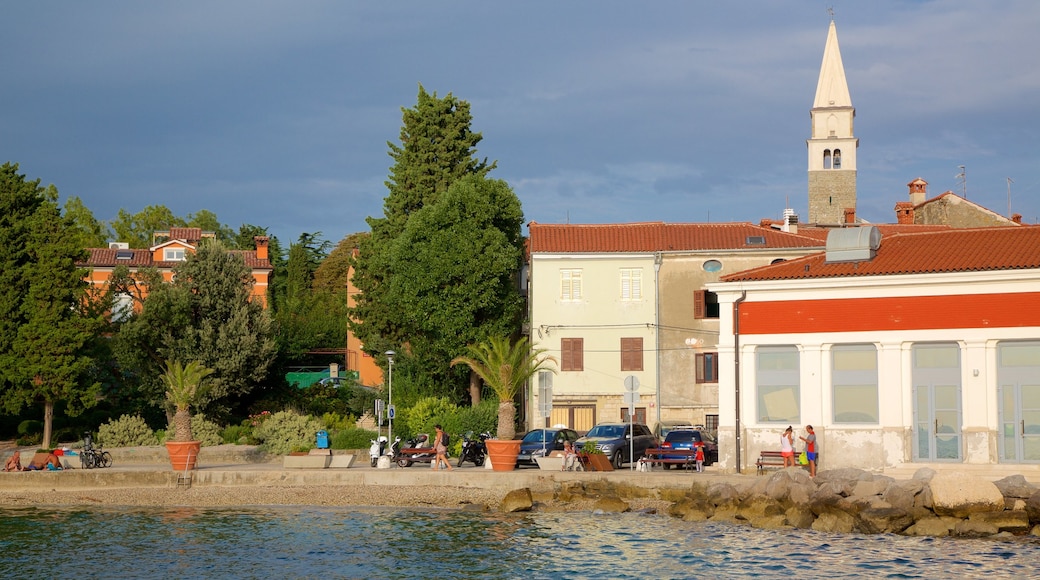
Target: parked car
x,y
542,442
684,438
662,428
613,440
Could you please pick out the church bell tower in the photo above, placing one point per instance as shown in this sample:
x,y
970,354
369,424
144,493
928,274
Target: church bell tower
x,y
832,148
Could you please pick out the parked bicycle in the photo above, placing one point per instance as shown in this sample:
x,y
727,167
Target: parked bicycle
x,y
91,457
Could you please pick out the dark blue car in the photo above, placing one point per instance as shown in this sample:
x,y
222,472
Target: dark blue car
x,y
685,439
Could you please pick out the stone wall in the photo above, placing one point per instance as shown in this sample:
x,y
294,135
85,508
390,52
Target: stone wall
x,y
830,192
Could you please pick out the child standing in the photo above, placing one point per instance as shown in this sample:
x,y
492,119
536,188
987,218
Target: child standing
x,y
699,457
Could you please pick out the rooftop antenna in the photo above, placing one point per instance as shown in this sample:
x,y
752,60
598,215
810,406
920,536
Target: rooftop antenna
x,y
1010,181
963,176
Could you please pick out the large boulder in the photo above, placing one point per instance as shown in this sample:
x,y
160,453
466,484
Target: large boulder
x,y
1005,521
899,496
834,522
960,495
720,493
611,504
883,520
1015,486
932,526
800,516
518,500
1033,508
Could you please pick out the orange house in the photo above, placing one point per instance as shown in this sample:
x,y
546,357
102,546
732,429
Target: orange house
x,y
169,248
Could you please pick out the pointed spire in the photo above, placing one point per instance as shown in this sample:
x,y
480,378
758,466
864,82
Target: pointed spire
x,y
832,90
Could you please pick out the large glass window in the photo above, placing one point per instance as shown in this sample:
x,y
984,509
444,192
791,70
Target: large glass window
x,y
777,383
855,383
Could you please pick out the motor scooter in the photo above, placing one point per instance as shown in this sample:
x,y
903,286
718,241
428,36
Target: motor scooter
x,y
473,448
409,455
377,449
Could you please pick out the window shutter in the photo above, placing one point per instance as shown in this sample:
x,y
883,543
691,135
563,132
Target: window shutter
x,y
632,354
699,310
571,350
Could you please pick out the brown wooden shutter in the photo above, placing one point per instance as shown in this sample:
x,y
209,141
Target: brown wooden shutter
x,y
699,304
632,354
571,350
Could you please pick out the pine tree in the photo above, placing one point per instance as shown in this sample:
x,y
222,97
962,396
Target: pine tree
x,y
437,149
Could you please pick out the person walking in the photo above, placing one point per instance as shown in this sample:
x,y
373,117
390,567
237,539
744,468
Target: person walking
x,y
787,447
810,449
440,446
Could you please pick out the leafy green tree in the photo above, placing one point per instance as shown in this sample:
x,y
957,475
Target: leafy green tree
x,y
456,269
44,334
437,149
308,318
205,314
137,228
90,232
207,221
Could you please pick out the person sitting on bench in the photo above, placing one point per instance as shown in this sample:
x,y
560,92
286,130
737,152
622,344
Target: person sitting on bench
x,y
570,457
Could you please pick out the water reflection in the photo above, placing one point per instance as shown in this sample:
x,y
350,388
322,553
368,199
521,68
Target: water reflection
x,y
294,542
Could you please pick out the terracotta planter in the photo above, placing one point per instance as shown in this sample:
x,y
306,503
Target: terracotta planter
x,y
503,453
597,462
183,454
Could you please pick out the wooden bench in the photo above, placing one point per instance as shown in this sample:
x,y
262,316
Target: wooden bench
x,y
656,456
774,459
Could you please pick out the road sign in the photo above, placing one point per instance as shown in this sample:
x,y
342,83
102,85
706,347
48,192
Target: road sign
x,y
390,411
630,398
631,383
379,406
545,394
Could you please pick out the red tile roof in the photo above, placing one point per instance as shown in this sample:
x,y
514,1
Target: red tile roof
x,y
955,250
819,233
106,258
658,236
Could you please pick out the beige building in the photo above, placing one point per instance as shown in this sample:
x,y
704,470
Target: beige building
x,y
604,297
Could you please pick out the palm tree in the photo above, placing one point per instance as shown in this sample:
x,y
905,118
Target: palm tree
x,y
185,386
505,368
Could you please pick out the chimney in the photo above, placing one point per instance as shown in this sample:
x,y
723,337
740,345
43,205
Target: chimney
x,y
850,215
1017,218
918,191
261,247
904,212
790,221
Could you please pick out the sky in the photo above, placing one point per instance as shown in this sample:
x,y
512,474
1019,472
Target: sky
x,y
278,114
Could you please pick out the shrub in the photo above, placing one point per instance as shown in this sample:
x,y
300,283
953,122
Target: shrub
x,y
205,431
237,434
28,440
337,422
286,431
160,435
126,431
426,413
483,417
30,427
352,438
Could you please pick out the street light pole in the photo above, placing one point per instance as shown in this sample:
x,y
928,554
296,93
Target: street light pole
x,y
390,395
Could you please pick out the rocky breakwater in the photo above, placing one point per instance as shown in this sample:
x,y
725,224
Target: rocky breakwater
x,y
853,500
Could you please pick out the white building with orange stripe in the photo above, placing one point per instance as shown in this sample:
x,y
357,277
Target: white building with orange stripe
x,y
912,348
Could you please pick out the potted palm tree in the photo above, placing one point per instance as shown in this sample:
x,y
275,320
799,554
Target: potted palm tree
x,y
185,386
505,368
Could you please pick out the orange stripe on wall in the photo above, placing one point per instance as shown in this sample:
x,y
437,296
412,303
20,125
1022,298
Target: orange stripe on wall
x,y
904,313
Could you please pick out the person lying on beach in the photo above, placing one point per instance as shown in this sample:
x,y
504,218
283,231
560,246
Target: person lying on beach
x,y
40,462
14,462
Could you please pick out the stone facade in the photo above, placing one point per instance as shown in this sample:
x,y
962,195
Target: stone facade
x,y
830,193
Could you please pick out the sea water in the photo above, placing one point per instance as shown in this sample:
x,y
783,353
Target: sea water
x,y
339,542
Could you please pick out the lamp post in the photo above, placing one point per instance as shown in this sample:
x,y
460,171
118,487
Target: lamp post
x,y
390,395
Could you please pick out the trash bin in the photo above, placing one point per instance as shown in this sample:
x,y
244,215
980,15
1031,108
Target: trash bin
x,y
323,440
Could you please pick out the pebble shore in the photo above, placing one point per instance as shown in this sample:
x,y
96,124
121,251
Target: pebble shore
x,y
442,497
